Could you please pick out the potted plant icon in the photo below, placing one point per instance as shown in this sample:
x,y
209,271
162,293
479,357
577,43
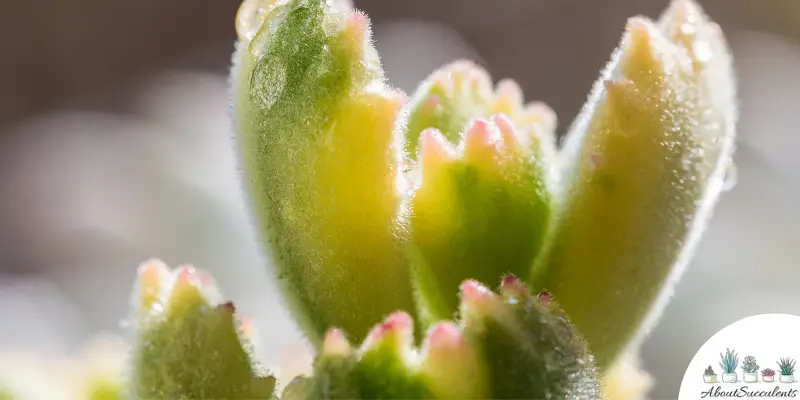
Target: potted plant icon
x,y
786,366
768,375
709,376
728,362
750,369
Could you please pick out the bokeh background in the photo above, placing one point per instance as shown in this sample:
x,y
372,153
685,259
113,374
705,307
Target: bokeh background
x,y
115,146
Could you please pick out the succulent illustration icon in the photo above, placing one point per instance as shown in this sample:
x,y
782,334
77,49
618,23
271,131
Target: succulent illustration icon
x,y
750,369
786,366
709,376
729,362
768,375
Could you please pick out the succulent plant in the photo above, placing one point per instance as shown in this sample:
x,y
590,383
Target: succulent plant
x,y
768,372
709,371
749,365
460,91
357,190
729,361
376,208
786,366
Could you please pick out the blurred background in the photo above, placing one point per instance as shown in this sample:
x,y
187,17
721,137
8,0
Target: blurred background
x,y
115,146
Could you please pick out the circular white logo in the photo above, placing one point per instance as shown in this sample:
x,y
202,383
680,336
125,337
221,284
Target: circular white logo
x,y
755,357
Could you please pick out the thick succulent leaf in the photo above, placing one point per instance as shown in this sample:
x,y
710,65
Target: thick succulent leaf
x,y
482,204
643,167
321,162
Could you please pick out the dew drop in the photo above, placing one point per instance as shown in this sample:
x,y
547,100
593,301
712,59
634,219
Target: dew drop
x,y
269,81
249,18
253,14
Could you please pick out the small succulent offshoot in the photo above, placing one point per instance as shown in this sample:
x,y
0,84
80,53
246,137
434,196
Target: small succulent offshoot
x,y
709,371
461,91
188,344
506,345
768,372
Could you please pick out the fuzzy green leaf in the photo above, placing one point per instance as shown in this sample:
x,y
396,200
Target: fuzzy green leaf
x,y
643,167
315,129
483,204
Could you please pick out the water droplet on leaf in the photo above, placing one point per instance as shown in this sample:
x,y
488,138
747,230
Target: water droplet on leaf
x,y
269,82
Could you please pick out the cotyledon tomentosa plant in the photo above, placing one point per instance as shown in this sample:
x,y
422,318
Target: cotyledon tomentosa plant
x,y
373,204
381,209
